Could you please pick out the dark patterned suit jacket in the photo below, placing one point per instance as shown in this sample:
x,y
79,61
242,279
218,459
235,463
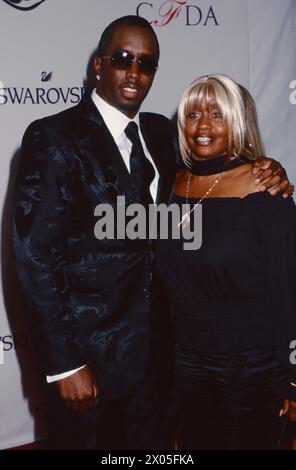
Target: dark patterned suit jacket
x,y
92,301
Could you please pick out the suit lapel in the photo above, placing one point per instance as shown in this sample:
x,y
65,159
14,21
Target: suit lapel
x,y
98,139
94,138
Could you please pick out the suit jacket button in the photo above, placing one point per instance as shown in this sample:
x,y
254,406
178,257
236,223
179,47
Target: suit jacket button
x,y
146,293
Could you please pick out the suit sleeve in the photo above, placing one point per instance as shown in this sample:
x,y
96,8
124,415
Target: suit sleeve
x,y
43,205
278,235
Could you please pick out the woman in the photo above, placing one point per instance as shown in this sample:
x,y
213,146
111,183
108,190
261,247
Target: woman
x,y
234,299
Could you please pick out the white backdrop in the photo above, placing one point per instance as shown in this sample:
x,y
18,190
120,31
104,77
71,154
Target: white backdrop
x,y
44,57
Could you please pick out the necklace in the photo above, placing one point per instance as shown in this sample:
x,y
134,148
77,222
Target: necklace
x,y
208,167
186,217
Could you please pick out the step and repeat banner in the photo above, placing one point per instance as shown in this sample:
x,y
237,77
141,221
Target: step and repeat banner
x,y
46,55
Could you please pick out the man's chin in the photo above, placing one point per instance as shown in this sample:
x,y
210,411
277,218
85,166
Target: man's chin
x,y
130,108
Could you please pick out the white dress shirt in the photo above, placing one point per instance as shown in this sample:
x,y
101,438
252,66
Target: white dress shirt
x,y
116,122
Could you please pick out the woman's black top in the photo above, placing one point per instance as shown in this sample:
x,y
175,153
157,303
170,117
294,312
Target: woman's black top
x,y
238,291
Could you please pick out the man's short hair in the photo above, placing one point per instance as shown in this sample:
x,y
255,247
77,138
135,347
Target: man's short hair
x,y
129,20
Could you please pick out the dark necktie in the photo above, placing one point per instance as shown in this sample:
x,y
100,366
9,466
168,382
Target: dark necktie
x,y
141,170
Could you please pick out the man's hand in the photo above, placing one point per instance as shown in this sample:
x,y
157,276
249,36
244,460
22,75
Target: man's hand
x,y
79,390
272,176
289,407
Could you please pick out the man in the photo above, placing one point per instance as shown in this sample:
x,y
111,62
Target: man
x,y
100,316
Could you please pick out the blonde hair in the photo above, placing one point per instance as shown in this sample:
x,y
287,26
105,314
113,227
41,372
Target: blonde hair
x,y
253,142
237,109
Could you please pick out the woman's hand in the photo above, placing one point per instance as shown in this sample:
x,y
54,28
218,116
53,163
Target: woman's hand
x,y
290,408
272,177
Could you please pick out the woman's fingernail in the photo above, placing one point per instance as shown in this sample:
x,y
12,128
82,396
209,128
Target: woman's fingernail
x,y
257,181
281,412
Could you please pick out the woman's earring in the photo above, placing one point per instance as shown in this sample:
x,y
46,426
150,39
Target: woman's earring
x,y
98,77
238,157
234,155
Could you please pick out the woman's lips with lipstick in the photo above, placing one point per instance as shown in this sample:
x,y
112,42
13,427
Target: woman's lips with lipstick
x,y
203,140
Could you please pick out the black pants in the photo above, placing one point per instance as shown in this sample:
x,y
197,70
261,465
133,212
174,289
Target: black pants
x,y
230,401
144,420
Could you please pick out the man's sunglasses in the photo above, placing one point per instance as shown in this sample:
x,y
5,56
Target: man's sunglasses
x,y
122,60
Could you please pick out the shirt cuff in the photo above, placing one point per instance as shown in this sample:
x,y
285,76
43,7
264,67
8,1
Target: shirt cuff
x,y
54,378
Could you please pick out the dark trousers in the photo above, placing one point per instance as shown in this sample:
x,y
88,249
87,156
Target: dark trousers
x,y
144,420
230,401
